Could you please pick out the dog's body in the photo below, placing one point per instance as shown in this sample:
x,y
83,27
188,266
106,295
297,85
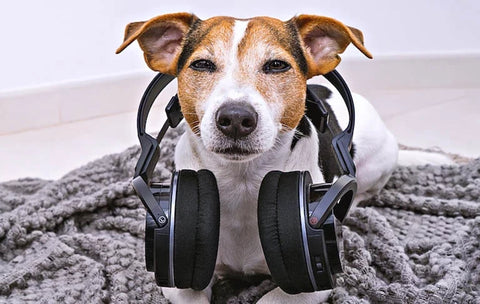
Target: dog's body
x,y
239,248
242,86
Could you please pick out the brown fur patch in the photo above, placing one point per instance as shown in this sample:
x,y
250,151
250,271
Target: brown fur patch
x,y
311,26
207,41
172,42
270,39
154,36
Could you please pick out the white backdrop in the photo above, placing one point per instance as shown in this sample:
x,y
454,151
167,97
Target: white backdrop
x,y
53,41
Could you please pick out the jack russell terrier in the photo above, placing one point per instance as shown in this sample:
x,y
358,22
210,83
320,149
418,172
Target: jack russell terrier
x,y
242,86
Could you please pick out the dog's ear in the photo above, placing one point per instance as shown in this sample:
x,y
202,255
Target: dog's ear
x,y
324,38
161,39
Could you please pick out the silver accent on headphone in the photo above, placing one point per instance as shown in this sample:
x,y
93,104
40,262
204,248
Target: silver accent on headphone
x,y
173,200
302,202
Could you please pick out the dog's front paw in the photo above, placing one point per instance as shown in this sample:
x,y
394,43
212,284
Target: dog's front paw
x,y
422,158
181,296
278,296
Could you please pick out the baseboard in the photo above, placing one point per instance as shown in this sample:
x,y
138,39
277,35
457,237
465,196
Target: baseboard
x,y
410,72
57,104
34,108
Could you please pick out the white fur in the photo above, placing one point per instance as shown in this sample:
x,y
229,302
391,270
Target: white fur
x,y
230,90
239,180
418,158
238,184
187,295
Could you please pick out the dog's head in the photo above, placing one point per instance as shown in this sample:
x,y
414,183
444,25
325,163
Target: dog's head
x,y
242,83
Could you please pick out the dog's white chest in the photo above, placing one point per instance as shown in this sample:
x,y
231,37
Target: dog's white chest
x,y
239,246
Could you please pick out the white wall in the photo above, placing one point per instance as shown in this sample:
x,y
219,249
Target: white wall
x,y
55,41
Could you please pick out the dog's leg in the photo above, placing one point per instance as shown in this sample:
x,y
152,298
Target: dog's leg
x,y
278,296
180,296
420,158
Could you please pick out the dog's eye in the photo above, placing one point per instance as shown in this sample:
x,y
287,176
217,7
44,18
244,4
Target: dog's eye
x,y
203,65
276,66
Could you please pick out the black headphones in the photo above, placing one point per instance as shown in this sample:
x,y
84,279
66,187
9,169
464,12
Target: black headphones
x,y
299,222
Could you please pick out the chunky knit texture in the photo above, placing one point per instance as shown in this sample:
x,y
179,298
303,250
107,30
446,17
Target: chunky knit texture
x,y
80,239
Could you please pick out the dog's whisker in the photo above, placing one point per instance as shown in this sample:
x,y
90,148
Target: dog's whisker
x,y
286,128
196,130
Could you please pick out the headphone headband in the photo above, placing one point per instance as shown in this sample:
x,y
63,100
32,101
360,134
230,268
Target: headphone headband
x,y
149,145
150,150
343,141
146,163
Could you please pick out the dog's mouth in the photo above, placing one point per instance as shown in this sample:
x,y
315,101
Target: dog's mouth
x,y
235,135
236,152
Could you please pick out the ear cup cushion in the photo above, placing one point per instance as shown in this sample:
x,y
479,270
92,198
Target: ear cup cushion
x,y
280,231
186,215
208,225
197,215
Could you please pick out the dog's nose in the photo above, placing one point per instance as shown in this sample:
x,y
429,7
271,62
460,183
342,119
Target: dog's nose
x,y
236,120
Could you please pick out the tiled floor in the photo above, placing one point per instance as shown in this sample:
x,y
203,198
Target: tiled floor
x,y
448,119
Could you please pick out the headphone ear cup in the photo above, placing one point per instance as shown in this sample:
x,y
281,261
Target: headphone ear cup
x,y
281,232
208,229
197,220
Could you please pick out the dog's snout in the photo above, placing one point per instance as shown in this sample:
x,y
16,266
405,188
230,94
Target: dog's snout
x,y
236,120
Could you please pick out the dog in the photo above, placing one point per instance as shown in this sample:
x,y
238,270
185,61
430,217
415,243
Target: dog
x,y
242,88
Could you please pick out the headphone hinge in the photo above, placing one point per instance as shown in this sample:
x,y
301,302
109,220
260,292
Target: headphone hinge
x,y
316,111
146,196
174,112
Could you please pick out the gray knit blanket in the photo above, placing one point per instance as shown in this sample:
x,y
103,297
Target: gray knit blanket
x,y
80,239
